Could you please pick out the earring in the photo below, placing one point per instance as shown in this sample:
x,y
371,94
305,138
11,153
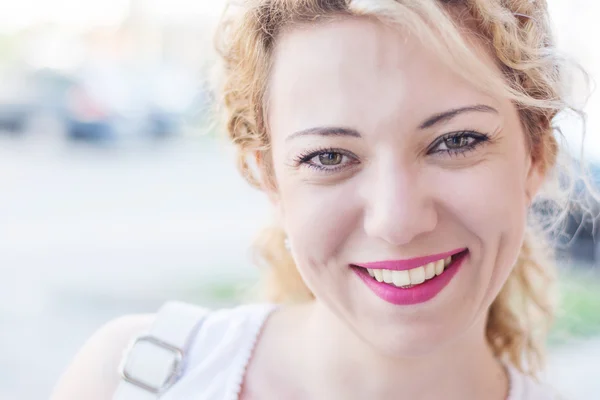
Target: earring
x,y
286,244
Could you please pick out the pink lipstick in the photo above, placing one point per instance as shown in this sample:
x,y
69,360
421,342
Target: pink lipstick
x,y
402,265
412,293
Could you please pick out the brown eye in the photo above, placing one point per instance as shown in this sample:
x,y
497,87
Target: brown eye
x,y
330,158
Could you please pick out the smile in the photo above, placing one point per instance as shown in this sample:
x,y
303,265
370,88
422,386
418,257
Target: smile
x,y
411,277
405,282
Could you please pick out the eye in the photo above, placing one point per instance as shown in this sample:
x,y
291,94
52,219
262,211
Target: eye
x,y
458,142
327,159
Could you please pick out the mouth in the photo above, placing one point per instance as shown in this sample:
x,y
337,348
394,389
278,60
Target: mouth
x,y
399,285
415,276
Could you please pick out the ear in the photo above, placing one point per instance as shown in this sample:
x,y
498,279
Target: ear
x,y
535,178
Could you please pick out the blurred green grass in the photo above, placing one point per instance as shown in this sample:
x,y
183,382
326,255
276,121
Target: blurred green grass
x,y
578,314
219,292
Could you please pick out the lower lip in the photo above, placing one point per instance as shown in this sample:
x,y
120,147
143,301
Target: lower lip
x,y
416,294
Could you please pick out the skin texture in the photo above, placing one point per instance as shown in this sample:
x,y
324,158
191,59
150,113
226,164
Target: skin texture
x,y
385,187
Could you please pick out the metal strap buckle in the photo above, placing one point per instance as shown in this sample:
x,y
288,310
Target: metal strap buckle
x,y
169,380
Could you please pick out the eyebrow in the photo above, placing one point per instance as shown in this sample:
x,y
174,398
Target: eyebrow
x,y
428,123
448,115
326,131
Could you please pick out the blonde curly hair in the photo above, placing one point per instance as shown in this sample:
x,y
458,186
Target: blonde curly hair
x,y
518,34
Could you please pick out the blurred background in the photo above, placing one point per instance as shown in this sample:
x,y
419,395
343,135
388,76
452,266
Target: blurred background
x,y
115,194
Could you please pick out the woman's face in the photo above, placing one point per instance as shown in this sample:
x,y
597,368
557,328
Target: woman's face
x,y
381,155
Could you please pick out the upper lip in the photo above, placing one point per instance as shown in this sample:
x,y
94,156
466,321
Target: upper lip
x,y
402,265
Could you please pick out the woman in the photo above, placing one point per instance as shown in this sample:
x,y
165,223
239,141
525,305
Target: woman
x,y
402,144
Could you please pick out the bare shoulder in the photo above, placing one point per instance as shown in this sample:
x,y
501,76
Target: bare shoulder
x,y
93,373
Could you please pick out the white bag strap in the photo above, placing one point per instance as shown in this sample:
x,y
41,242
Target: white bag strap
x,y
155,360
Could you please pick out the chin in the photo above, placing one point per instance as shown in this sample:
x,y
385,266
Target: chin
x,y
419,332
414,341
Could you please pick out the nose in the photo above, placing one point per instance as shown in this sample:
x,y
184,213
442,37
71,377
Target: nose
x,y
399,205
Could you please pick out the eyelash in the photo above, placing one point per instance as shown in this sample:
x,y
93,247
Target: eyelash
x,y
480,138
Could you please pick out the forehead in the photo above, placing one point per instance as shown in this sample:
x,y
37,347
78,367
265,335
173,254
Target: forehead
x,y
357,71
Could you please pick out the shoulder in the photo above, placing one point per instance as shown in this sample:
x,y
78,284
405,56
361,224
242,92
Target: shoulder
x,y
220,352
225,332
216,346
93,373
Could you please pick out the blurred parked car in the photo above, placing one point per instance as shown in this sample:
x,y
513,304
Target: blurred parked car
x,y
101,103
87,117
13,117
27,95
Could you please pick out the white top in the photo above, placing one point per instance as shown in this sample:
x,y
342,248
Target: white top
x,y
217,350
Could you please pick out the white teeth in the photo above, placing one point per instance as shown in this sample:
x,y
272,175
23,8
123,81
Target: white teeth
x,y
430,270
410,277
387,276
417,275
439,267
401,278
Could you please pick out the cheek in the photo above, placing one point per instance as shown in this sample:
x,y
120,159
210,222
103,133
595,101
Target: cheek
x,y
319,219
487,197
488,202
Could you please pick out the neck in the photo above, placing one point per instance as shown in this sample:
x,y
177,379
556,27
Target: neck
x,y
350,368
